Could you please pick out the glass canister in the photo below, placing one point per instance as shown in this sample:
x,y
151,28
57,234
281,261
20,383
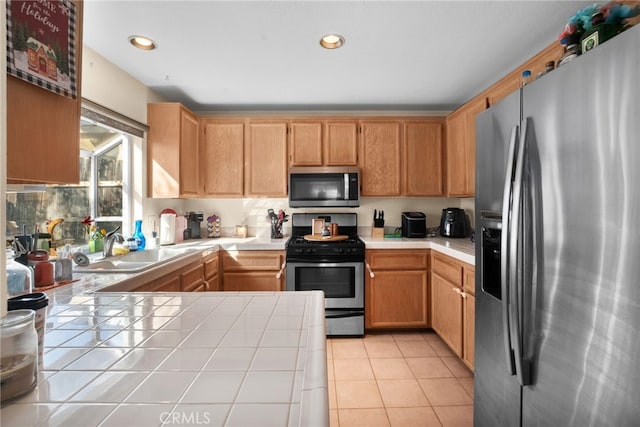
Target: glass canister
x,y
37,302
19,354
19,276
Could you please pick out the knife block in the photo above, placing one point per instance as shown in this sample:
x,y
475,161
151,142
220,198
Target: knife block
x,y
377,232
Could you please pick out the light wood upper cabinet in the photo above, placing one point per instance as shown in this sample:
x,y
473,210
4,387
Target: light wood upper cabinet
x,y
341,143
222,155
43,128
189,173
172,151
423,152
305,144
461,149
380,158
266,159
323,143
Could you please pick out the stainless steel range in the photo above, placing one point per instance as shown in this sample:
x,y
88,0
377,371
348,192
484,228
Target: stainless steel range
x,y
333,266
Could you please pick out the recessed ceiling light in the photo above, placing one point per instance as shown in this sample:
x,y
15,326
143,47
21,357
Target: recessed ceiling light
x,y
142,42
331,41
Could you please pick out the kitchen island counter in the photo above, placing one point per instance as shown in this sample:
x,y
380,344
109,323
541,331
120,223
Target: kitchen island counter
x,y
145,359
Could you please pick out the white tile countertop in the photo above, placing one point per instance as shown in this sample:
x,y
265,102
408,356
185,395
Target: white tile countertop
x,y
142,359
461,249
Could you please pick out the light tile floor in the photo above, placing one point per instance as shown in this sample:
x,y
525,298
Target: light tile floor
x,y
397,379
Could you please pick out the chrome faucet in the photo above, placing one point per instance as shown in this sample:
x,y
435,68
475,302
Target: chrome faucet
x,y
109,240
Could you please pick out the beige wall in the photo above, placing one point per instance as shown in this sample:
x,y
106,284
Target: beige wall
x,y
109,86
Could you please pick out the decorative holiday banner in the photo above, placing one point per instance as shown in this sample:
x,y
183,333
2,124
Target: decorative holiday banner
x,y
41,44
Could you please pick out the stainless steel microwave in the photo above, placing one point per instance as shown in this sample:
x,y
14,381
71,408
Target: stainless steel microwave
x,y
324,187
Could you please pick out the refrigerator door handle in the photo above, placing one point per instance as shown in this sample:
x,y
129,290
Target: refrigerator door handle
x,y
504,247
522,366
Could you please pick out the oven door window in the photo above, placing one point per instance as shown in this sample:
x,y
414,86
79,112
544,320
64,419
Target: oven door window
x,y
336,282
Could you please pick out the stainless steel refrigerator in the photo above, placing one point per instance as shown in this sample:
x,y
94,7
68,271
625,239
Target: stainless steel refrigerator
x,y
558,246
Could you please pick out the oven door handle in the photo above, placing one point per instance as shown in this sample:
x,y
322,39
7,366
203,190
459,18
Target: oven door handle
x,y
343,313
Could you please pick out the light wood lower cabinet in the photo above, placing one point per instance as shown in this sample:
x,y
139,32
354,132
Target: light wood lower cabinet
x,y
197,276
453,304
398,295
211,271
252,270
168,283
192,278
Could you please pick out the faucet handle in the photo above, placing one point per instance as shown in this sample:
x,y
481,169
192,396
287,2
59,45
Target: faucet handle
x,y
112,232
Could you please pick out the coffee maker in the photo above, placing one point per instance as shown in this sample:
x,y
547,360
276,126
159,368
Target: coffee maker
x,y
193,224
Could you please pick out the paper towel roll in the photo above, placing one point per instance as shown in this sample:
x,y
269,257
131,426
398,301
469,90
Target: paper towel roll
x,y
167,229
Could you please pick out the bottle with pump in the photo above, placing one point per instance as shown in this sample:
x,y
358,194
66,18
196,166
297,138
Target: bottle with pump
x,y
137,234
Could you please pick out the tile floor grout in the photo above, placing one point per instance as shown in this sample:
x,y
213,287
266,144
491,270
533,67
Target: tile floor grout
x,y
397,379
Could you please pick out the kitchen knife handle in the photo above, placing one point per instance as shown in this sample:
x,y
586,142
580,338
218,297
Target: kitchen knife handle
x,y
504,247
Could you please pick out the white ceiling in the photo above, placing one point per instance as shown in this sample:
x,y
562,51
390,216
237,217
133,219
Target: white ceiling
x,y
262,55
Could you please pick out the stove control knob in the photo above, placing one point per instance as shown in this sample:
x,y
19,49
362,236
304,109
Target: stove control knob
x,y
338,250
307,251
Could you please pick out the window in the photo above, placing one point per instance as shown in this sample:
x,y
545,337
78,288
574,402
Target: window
x,y
103,186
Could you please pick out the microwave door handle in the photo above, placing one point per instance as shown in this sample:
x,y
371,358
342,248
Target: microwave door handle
x,y
346,186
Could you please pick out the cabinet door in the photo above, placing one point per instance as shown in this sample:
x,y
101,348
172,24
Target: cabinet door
x,y
341,143
380,158
469,329
189,173
42,127
461,149
305,144
172,151
397,299
211,272
192,278
223,158
446,312
168,283
266,161
253,281
422,172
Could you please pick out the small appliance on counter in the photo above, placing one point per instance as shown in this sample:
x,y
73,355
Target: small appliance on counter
x,y
193,225
168,228
454,223
414,224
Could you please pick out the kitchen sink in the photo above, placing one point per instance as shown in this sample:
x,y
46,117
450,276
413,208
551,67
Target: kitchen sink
x,y
133,262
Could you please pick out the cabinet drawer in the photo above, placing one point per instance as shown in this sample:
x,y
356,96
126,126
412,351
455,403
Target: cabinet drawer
x,y
398,259
447,268
192,278
252,260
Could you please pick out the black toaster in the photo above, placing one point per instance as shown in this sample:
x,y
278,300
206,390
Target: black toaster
x,y
414,225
